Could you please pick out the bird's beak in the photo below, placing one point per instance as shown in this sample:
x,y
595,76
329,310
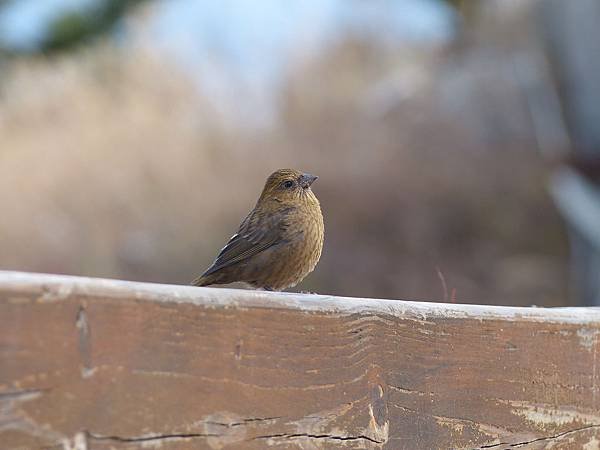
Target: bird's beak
x,y
307,179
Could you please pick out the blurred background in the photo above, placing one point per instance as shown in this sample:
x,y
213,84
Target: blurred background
x,y
456,142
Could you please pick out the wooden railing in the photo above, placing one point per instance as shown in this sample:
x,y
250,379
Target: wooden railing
x,y
103,364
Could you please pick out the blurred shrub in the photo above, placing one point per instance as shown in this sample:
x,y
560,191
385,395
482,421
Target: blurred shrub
x,y
115,165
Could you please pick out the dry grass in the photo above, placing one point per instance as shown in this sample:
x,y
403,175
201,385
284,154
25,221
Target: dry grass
x,y
114,165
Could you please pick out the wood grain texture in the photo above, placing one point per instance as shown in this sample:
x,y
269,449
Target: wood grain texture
x,y
102,364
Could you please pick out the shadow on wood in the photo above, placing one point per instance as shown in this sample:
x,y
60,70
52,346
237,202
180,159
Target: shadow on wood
x,y
103,364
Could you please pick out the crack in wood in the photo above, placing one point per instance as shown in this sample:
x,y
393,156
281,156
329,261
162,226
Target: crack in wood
x,y
187,436
150,438
318,436
183,436
244,422
540,439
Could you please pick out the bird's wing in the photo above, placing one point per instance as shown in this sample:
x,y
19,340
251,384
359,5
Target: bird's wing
x,y
256,234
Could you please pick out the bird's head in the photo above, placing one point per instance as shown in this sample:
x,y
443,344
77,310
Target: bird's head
x,y
289,186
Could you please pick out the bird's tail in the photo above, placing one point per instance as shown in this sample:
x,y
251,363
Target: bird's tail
x,y
200,281
205,280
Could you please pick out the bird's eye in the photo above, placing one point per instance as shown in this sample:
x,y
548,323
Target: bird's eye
x,y
288,184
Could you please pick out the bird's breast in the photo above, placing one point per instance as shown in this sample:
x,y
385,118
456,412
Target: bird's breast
x,y
309,230
301,248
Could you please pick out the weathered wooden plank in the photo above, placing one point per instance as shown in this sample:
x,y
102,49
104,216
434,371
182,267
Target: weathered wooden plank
x,y
101,364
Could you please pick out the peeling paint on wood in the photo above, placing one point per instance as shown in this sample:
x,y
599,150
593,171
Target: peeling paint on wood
x,y
102,364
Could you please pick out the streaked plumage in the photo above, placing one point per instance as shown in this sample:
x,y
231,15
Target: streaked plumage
x,y
279,242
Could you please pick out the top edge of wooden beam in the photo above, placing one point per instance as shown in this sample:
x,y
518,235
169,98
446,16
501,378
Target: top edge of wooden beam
x,y
62,287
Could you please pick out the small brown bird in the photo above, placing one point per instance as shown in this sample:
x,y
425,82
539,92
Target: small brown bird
x,y
279,242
